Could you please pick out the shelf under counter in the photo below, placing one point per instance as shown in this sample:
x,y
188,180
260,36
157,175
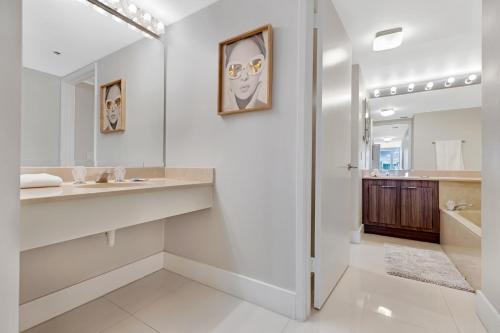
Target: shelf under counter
x,y
59,214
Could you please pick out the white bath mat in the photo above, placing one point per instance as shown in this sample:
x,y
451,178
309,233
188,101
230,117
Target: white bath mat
x,y
424,265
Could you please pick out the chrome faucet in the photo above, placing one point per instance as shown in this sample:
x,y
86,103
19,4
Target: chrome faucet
x,y
460,206
104,177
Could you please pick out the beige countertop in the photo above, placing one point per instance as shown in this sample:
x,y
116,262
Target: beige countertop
x,y
70,191
423,178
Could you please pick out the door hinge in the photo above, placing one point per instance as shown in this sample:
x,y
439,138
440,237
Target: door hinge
x,y
312,265
315,21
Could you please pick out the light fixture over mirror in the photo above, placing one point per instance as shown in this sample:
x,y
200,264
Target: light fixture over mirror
x,y
415,87
131,14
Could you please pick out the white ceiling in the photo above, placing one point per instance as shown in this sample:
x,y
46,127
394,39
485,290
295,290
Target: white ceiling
x,y
77,31
394,131
441,38
81,34
429,101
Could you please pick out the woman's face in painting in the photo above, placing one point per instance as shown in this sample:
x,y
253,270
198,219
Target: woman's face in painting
x,y
113,105
244,68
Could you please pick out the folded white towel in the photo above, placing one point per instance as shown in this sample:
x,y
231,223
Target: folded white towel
x,y
40,180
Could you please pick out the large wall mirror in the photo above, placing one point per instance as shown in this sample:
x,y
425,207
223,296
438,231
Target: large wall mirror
x,y
433,125
92,89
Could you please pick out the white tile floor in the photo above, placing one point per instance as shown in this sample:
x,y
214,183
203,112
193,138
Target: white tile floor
x,y
367,300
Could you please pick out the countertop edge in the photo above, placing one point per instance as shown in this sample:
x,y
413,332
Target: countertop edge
x,y
416,178
110,191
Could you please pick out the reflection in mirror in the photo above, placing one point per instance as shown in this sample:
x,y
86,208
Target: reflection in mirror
x,y
436,128
75,59
392,142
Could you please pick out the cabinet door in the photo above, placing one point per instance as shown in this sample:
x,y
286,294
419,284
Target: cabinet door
x,y
382,204
417,207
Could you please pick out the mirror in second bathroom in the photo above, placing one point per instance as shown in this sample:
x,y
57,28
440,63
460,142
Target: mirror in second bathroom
x,y
427,126
92,89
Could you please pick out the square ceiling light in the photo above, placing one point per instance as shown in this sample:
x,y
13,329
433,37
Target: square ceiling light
x,y
387,112
388,39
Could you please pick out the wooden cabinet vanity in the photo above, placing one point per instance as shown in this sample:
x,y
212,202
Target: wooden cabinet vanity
x,y
402,208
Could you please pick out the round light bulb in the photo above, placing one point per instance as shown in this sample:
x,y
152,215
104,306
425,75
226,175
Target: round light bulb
x,y
147,17
429,86
449,81
411,87
394,90
472,77
376,93
132,8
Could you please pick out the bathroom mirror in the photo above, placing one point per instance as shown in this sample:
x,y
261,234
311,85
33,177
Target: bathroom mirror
x,y
432,129
92,89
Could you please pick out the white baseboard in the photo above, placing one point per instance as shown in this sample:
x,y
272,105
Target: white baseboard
x,y
50,306
487,313
263,294
356,235
254,291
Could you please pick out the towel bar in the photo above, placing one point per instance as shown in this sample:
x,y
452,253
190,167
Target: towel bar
x,y
434,142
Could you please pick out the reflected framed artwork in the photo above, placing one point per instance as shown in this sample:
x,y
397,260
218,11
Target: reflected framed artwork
x,y
113,107
246,72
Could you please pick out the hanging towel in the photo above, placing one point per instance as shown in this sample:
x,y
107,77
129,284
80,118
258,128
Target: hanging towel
x,y
40,180
449,155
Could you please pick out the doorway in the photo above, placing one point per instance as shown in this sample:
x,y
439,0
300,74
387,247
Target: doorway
x,y
79,102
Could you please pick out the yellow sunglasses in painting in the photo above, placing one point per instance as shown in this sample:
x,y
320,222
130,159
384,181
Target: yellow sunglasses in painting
x,y
254,67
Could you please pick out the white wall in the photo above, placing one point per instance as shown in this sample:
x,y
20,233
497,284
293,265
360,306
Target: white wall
x,y
251,228
462,124
84,124
142,66
41,103
358,146
51,268
491,160
10,115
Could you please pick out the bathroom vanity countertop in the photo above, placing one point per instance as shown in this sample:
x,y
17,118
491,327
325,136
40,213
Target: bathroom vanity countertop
x,y
440,179
70,190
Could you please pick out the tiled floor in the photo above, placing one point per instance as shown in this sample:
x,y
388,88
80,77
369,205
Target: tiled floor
x,y
367,300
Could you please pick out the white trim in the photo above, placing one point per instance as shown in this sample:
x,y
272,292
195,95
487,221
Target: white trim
x,y
260,293
487,313
55,304
356,235
304,161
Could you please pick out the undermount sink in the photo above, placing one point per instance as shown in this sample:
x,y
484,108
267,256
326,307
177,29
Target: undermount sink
x,y
112,185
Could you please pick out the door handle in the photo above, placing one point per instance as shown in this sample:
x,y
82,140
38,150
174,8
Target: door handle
x,y
350,166
388,186
410,188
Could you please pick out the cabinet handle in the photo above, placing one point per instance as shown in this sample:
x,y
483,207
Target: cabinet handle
x,y
410,188
388,186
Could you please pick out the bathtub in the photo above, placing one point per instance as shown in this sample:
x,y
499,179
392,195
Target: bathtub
x,y
461,240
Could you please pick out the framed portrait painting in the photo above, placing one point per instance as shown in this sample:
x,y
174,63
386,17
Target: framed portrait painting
x,y
246,72
113,107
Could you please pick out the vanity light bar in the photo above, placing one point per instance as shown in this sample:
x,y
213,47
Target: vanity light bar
x,y
136,17
414,87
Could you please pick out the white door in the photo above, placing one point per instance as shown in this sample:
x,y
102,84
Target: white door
x,y
332,220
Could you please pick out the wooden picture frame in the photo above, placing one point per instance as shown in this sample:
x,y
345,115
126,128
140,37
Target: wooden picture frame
x,y
246,72
113,106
